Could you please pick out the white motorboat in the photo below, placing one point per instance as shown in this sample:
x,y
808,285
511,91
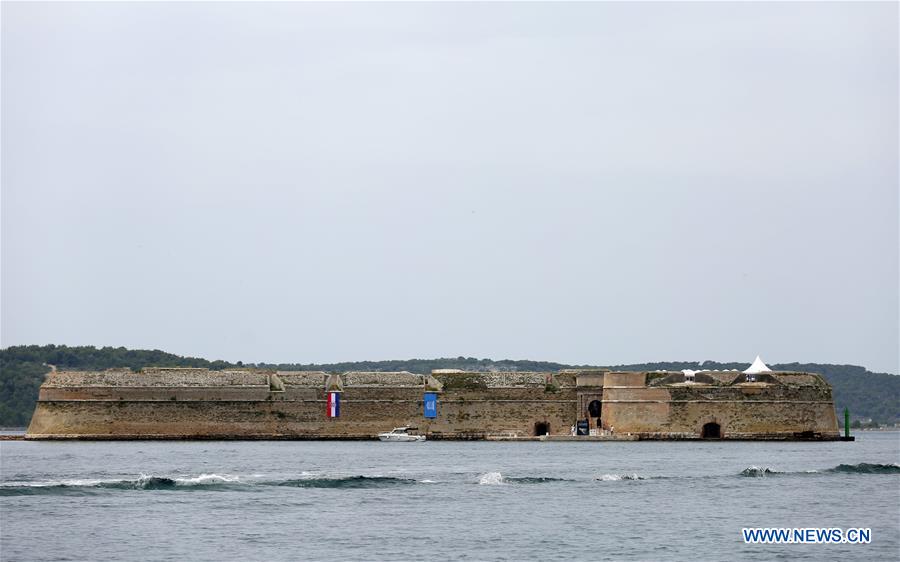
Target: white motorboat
x,y
400,434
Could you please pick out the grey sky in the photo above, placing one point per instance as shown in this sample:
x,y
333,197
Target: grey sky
x,y
585,183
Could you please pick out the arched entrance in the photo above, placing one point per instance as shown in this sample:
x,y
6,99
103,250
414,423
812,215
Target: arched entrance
x,y
541,428
711,430
594,409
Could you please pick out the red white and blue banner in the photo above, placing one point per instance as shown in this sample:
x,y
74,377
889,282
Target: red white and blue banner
x,y
334,404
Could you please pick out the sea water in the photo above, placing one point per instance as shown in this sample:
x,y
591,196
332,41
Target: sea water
x,y
331,500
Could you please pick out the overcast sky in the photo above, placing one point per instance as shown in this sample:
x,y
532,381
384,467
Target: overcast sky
x,y
583,183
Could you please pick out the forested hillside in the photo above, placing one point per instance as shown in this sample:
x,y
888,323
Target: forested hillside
x,y
22,369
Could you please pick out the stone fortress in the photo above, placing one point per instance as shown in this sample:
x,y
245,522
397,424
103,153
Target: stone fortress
x,y
183,403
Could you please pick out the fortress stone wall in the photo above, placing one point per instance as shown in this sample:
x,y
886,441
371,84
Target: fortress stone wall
x,y
774,405
180,403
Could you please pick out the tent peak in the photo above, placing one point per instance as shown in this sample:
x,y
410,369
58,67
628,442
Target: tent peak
x,y
757,367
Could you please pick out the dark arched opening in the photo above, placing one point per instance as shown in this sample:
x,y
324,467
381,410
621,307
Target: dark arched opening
x,y
541,428
712,430
594,409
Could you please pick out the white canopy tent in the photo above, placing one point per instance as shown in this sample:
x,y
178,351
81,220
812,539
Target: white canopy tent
x,y
757,367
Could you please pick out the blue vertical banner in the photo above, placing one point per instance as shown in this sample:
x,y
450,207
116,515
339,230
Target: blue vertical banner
x,y
430,405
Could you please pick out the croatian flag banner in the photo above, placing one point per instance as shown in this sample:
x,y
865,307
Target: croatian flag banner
x,y
334,404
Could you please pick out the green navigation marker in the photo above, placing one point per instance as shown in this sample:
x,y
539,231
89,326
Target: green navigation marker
x,y
846,422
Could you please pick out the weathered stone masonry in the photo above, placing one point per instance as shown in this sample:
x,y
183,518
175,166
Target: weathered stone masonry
x,y
257,404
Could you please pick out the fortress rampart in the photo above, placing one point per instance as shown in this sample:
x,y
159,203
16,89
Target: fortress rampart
x,y
164,403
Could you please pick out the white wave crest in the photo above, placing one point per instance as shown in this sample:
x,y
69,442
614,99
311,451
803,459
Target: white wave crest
x,y
50,483
758,471
206,479
617,477
491,479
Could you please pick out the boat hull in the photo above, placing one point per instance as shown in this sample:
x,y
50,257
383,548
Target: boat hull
x,y
401,438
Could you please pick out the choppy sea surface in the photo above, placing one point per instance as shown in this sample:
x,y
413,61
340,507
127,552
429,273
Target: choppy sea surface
x,y
332,500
